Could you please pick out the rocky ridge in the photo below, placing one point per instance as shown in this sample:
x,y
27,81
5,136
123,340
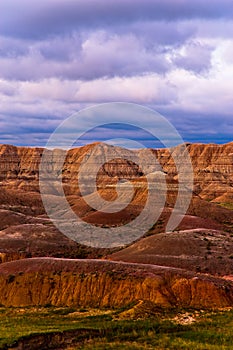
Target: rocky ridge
x,y
64,282
212,166
191,267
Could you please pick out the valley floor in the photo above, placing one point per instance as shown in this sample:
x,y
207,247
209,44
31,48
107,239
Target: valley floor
x,y
69,328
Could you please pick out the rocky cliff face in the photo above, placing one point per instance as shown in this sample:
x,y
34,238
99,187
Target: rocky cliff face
x,y
212,166
19,163
26,231
20,199
213,169
107,284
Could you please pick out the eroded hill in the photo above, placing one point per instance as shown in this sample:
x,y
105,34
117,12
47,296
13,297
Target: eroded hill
x,y
202,243
101,283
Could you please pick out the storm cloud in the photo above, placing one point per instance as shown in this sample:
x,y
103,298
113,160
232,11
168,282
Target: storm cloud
x,y
59,56
38,19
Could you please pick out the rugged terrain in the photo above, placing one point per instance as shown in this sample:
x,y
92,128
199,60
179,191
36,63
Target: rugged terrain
x,y
192,266
99,283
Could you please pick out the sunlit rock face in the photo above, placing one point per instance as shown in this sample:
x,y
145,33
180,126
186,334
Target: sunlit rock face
x,y
97,283
212,166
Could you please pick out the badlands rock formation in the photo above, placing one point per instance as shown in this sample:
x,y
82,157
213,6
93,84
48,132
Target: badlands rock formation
x,y
212,166
96,283
195,261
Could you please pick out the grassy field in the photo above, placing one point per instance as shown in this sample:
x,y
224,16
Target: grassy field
x,y
183,329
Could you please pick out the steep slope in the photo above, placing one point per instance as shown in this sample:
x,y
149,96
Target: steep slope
x,y
164,268
21,204
212,166
99,283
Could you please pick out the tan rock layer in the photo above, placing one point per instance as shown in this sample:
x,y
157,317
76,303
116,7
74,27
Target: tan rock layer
x,y
212,166
107,284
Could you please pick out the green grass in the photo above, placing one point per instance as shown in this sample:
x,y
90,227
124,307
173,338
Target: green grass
x,y
210,331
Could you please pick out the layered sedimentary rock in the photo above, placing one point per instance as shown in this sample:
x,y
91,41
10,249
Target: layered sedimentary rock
x,y
212,166
26,231
21,204
107,284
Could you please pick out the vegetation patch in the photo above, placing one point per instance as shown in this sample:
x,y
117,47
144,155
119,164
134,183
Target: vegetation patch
x,y
101,329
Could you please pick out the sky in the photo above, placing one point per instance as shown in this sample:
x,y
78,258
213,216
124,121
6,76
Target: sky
x,y
60,56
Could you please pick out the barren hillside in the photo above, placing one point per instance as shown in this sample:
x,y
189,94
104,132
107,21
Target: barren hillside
x,y
169,268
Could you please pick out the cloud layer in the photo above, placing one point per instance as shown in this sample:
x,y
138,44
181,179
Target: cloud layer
x,y
59,56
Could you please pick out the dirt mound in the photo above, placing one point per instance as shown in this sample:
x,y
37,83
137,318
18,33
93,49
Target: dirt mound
x,y
199,250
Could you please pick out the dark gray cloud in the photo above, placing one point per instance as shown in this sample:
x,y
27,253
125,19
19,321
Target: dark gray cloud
x,y
154,33
90,57
95,39
38,19
13,47
203,127
57,56
196,57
